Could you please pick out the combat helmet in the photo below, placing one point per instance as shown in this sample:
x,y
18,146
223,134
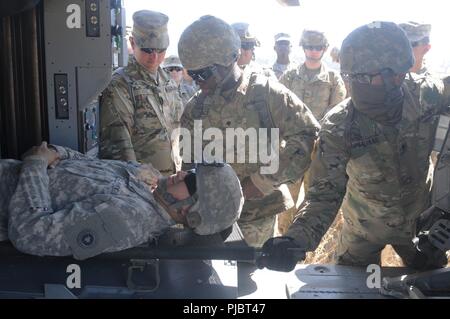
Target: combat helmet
x,y
313,37
219,199
374,47
215,201
206,42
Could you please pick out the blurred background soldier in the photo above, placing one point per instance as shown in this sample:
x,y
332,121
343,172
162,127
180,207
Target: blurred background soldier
x,y
283,49
249,41
231,100
173,66
335,59
372,156
141,105
419,36
319,88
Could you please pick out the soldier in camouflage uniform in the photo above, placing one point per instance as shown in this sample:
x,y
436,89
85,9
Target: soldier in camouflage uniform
x,y
85,206
283,49
419,36
319,88
173,66
249,42
141,106
372,156
316,85
229,99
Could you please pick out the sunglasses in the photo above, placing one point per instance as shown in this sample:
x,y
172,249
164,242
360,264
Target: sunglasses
x,y
423,41
359,77
365,78
174,68
151,50
247,46
201,75
314,47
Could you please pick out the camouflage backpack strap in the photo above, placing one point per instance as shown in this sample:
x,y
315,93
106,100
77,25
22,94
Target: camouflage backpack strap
x,y
258,83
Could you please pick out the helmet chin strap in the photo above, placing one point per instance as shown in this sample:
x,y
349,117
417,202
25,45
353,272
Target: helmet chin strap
x,y
222,79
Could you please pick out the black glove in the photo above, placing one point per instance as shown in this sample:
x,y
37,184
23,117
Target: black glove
x,y
281,254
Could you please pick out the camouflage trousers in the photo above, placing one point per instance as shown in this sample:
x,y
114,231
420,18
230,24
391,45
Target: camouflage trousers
x,y
257,219
354,250
9,173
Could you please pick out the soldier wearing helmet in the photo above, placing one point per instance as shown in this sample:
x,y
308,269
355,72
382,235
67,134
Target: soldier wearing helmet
x,y
249,42
319,87
372,157
141,105
316,85
84,206
230,99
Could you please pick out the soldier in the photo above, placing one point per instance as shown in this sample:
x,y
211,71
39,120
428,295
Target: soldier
x,y
84,206
372,156
173,66
141,106
317,86
419,36
335,60
283,49
230,99
249,41
335,55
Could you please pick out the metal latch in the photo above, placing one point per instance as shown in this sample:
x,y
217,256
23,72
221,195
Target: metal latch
x,y
143,275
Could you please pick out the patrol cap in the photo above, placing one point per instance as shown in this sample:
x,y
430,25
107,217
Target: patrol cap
x,y
243,31
172,61
313,37
219,199
416,31
150,29
282,37
376,46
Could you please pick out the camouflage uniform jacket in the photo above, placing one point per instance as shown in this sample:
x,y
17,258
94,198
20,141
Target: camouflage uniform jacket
x,y
321,93
280,69
381,170
446,81
254,67
258,102
134,131
82,207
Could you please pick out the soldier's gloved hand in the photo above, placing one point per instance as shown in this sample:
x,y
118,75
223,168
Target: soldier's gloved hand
x,y
281,254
